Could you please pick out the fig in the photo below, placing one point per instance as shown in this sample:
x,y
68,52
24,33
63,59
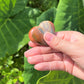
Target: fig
x,y
37,32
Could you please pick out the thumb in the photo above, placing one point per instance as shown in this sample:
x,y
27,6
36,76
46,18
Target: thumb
x,y
59,44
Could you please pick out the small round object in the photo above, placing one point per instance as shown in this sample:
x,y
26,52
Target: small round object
x,y
37,32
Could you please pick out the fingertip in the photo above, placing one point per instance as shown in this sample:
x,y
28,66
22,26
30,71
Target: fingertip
x,y
42,66
32,44
37,67
29,59
48,36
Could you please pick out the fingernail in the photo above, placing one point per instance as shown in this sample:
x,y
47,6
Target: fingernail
x,y
30,60
48,36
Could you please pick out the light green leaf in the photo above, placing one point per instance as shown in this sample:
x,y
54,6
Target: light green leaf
x,y
20,78
70,15
83,2
59,77
10,81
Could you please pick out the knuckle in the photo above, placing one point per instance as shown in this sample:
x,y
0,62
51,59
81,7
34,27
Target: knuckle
x,y
57,43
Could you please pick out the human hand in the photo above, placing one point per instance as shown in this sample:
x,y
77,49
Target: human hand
x,y
65,52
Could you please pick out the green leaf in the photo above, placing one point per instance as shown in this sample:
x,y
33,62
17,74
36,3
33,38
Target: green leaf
x,y
81,17
19,6
14,32
20,78
30,74
10,81
47,4
70,15
83,2
8,8
43,4
59,77
47,15
14,80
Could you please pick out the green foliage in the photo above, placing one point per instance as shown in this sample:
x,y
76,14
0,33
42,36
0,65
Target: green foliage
x,y
17,17
43,5
14,30
70,15
47,15
59,77
11,70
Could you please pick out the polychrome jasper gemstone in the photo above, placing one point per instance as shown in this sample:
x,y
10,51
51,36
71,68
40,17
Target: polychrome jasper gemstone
x,y
37,32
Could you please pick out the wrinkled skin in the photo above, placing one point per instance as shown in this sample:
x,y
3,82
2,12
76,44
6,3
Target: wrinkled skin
x,y
65,52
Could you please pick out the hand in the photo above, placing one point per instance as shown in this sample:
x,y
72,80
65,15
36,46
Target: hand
x,y
65,52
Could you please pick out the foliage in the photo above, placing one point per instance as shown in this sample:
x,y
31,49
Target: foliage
x,y
43,5
17,17
11,70
70,15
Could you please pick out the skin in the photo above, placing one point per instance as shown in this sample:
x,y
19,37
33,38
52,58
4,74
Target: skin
x,y
65,52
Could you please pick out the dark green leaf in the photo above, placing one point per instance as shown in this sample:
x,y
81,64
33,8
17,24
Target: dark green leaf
x,y
43,4
47,4
19,6
14,32
47,15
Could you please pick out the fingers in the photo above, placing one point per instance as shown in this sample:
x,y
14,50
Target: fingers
x,y
45,58
32,44
38,51
60,65
59,44
53,62
54,65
